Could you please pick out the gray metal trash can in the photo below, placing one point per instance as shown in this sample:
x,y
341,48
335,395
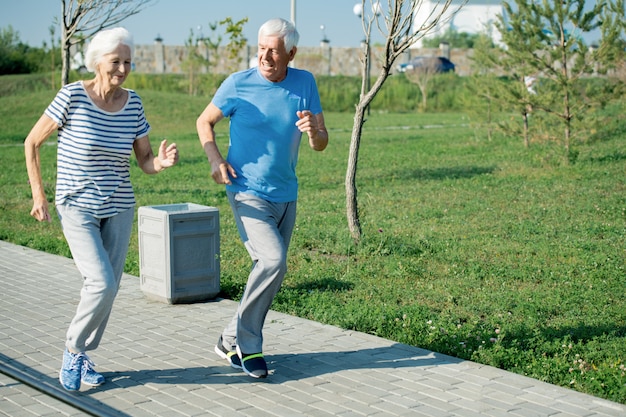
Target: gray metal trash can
x,y
179,252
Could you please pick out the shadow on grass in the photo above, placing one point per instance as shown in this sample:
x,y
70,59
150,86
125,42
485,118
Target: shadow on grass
x,y
323,285
584,333
614,157
442,173
528,339
233,291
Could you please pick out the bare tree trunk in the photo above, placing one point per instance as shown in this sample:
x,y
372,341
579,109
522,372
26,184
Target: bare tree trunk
x,y
65,58
568,123
424,97
191,80
400,35
526,140
352,209
489,127
566,102
52,78
354,225
66,42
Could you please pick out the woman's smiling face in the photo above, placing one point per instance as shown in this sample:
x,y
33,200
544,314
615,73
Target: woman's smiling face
x,y
115,66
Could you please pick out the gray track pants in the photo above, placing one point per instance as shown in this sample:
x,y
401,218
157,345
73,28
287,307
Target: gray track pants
x,y
99,248
265,229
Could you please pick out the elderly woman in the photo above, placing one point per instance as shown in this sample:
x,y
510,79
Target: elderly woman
x,y
99,124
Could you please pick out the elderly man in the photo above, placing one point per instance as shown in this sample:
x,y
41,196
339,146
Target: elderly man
x,y
269,107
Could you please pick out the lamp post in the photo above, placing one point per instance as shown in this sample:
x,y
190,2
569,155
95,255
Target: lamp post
x,y
159,55
325,45
205,42
324,40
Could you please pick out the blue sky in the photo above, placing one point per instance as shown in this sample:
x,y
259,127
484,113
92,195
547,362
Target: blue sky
x,y
173,19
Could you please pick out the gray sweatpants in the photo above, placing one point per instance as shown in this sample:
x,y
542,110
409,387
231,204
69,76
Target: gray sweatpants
x,y
265,229
99,248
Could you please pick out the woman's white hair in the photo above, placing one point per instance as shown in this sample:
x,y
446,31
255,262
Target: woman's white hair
x,y
105,42
283,29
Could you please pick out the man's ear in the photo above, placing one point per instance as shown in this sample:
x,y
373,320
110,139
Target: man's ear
x,y
292,53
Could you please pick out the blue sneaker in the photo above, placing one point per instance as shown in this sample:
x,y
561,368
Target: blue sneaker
x,y
89,375
71,370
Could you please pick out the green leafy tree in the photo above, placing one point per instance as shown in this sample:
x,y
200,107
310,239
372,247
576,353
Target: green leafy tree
x,y
613,50
211,45
13,53
205,51
485,86
51,29
17,57
192,62
422,77
514,93
545,40
236,41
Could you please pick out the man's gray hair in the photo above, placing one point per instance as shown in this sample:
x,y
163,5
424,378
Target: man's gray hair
x,y
283,29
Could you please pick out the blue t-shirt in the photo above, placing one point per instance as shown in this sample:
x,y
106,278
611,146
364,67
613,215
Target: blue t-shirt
x,y
264,139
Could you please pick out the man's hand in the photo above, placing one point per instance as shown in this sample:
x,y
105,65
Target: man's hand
x,y
313,126
222,171
307,123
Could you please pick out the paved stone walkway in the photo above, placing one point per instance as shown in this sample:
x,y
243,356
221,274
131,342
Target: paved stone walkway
x,y
158,360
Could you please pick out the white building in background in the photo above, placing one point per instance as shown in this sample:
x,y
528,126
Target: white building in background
x,y
476,16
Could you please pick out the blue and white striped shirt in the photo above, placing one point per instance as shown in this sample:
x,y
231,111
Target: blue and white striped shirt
x,y
94,148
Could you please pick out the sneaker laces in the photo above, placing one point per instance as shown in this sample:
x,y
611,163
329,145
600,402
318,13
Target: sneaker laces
x,y
88,364
77,360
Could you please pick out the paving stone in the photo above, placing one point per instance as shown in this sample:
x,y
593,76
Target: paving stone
x,y
159,361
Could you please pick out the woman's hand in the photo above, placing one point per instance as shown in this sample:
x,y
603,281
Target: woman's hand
x,y
168,155
40,210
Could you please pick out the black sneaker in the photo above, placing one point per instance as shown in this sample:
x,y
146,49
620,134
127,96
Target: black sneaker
x,y
253,364
229,355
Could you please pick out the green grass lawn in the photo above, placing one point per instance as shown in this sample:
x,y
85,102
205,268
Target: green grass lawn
x,y
479,249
